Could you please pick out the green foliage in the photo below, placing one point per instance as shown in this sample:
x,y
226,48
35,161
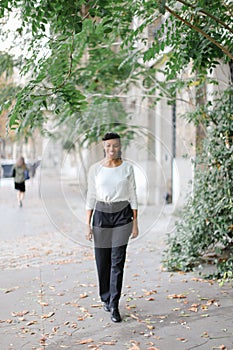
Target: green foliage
x,y
77,49
198,31
6,64
7,90
206,222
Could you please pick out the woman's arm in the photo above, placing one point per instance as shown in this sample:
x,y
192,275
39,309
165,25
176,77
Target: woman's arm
x,y
132,189
89,233
134,203
90,202
135,224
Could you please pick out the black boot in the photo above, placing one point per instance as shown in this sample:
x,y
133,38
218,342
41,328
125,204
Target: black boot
x,y
115,314
106,306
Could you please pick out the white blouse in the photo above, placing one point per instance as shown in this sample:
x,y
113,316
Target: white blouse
x,y
111,185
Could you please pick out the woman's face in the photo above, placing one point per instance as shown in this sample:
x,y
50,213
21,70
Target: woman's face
x,y
112,148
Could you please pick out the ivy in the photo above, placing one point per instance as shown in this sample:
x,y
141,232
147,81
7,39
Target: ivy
x,y
206,222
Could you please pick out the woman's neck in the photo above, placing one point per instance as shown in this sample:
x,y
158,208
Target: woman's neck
x,y
111,163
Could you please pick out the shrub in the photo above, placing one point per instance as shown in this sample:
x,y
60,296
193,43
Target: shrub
x,y
206,222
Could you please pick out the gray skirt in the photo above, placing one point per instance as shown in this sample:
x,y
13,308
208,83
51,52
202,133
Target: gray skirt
x,y
112,224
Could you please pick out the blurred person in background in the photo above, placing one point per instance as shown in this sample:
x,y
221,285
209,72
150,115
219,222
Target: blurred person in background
x,y
20,174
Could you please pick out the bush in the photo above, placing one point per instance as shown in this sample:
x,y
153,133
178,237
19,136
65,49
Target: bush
x,y
206,223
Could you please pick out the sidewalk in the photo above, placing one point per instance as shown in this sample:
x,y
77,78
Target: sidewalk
x,y
48,293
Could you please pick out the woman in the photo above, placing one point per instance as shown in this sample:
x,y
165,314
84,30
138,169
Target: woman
x,y
19,174
111,217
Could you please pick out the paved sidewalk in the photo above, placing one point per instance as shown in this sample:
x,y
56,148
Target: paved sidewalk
x,y
48,291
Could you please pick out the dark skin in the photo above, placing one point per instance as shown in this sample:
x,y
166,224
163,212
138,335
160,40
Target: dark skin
x,y
112,149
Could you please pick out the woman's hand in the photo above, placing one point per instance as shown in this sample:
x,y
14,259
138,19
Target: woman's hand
x,y
89,233
134,229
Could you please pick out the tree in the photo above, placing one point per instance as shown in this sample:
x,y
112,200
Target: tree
x,y
85,52
83,49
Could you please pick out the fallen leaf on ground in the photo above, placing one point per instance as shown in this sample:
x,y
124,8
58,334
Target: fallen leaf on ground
x,y
195,305
135,346
84,295
128,307
212,302
86,341
134,317
150,327
11,290
43,303
20,313
205,335
184,315
112,342
204,307
96,305
193,309
81,318
50,314
150,292
43,340
177,296
182,339
30,323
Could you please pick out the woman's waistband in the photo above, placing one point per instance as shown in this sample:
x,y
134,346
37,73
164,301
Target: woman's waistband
x,y
110,207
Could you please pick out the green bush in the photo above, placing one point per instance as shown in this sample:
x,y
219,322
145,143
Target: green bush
x,y
206,223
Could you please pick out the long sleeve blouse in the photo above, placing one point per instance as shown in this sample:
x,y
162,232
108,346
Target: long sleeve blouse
x,y
114,184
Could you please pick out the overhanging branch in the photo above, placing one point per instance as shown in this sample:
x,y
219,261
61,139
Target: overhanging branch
x,y
208,14
197,29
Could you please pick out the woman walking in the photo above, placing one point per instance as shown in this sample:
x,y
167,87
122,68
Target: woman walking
x,y
111,217
20,175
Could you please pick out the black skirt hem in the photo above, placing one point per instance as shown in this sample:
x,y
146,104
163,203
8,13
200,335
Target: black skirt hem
x,y
20,186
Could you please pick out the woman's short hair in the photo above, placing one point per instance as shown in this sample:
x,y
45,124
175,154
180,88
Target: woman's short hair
x,y
110,136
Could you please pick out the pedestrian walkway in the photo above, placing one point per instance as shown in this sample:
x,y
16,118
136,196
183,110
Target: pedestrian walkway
x,y
48,292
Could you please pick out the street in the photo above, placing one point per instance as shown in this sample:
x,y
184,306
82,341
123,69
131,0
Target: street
x,y
49,294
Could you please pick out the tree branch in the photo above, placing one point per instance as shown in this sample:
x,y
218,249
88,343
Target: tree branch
x,y
90,96
197,29
209,15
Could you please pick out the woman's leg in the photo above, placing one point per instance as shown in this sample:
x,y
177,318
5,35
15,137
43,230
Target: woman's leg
x,y
103,263
20,197
117,270
102,241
